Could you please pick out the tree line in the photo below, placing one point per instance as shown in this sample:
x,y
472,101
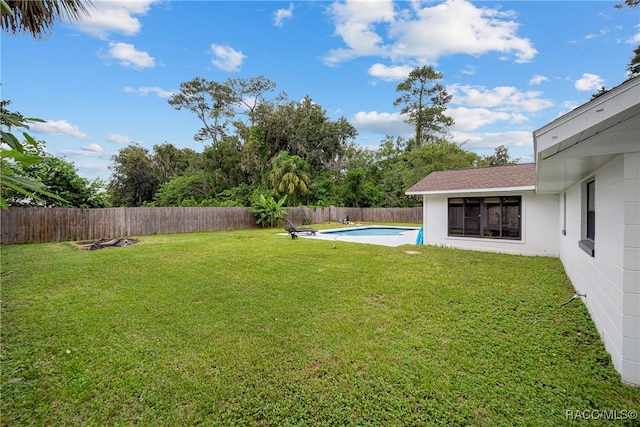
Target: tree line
x,y
256,145
259,143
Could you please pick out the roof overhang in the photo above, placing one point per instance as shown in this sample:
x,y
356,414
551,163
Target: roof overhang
x,y
472,191
572,147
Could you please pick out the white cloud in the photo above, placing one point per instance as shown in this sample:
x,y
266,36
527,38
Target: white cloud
x,y
502,98
603,32
117,138
355,23
130,57
58,127
518,118
387,73
226,58
93,170
538,79
92,148
468,70
424,34
113,17
471,107
635,39
382,123
473,118
477,31
569,105
145,90
488,141
589,82
282,14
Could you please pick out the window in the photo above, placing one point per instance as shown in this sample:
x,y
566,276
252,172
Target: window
x,y
591,210
588,243
564,213
488,217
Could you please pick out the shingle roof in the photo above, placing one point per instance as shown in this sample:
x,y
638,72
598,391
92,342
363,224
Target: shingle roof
x,y
509,176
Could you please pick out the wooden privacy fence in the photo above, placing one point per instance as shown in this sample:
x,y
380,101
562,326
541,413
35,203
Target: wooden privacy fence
x,y
410,215
42,225
26,225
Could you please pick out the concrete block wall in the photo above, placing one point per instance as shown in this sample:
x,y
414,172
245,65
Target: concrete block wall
x,y
611,278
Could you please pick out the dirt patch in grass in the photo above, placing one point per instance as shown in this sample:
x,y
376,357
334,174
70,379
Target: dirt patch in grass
x,y
106,243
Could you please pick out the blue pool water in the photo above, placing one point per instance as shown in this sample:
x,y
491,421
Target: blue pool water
x,y
370,231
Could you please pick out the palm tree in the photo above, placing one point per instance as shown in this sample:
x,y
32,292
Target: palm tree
x,y
38,16
288,175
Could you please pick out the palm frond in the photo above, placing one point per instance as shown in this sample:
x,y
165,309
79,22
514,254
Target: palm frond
x,y
37,17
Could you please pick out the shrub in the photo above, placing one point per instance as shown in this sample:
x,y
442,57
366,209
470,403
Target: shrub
x,y
268,211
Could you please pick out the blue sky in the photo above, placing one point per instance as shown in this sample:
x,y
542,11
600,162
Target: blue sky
x,y
511,66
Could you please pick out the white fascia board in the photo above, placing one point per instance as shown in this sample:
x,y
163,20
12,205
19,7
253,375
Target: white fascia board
x,y
473,190
572,124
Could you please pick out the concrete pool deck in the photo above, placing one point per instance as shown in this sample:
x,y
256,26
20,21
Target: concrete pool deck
x,y
404,238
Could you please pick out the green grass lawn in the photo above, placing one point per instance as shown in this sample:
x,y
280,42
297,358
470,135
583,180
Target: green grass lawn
x,y
253,328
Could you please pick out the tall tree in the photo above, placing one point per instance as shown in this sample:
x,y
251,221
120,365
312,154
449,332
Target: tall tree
x,y
134,180
37,17
170,160
500,157
416,164
61,178
250,94
302,129
633,68
359,190
359,179
211,102
223,161
630,3
424,102
389,155
189,189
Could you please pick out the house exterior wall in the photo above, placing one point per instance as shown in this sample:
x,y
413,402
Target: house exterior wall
x,y
611,278
539,225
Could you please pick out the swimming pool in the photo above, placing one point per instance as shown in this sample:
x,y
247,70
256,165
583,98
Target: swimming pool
x,y
369,231
371,234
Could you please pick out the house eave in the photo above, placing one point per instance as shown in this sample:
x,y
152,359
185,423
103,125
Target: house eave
x,y
473,191
571,147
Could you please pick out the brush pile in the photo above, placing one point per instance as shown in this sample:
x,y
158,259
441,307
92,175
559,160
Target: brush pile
x,y
107,243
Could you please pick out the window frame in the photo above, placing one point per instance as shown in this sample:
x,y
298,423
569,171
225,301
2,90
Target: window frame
x,y
487,217
587,243
564,213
